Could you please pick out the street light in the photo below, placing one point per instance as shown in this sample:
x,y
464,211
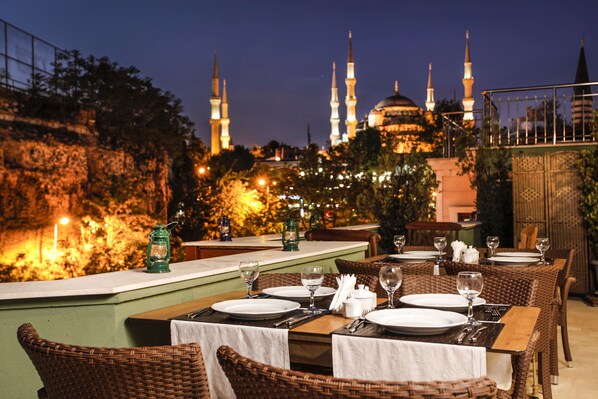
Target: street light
x,y
63,221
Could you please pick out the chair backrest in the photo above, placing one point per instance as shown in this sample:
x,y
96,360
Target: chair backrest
x,y
373,269
527,238
545,298
423,233
267,280
346,235
514,291
75,372
251,379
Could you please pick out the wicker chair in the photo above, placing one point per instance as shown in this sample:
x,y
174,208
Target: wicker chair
x,y
268,280
251,379
373,269
346,235
563,283
448,249
515,291
545,300
527,238
75,372
423,233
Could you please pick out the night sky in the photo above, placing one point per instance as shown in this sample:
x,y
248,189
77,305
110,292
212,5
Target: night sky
x,y
276,55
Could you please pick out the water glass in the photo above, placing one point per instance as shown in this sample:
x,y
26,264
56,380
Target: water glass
x,y
542,245
492,242
391,278
312,278
399,242
469,285
440,244
250,270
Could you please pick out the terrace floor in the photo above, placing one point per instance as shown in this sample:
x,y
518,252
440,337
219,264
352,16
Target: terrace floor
x,y
580,381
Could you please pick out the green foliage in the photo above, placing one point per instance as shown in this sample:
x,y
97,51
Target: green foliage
x,y
588,167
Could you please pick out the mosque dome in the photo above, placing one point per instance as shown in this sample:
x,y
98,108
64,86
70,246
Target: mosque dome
x,y
396,100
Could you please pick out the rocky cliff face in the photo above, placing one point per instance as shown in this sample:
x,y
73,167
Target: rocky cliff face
x,y
47,169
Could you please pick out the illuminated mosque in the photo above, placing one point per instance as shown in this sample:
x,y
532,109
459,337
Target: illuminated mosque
x,y
396,114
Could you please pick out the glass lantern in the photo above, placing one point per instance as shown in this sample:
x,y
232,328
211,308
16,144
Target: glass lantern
x,y
225,231
158,249
290,235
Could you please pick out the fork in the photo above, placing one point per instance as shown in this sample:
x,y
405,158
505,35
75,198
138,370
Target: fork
x,y
359,322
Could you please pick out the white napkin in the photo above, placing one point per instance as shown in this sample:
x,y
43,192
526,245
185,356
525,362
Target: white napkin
x,y
266,345
397,360
457,246
346,284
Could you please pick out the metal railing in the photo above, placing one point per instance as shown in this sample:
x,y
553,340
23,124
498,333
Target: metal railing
x,y
25,58
553,114
455,129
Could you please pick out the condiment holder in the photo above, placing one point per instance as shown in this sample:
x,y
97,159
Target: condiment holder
x,y
367,298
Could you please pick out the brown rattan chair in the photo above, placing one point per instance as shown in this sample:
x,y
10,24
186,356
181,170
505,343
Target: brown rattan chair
x,y
268,280
251,379
346,235
545,300
373,269
448,249
527,238
514,291
77,372
563,282
423,233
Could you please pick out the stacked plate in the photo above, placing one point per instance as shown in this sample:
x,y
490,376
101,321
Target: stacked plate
x,y
515,258
416,321
298,293
450,302
415,256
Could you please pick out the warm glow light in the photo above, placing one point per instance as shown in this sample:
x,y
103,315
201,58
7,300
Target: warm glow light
x,y
201,170
274,183
64,221
261,182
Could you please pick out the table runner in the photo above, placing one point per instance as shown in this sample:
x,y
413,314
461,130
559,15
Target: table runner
x,y
267,345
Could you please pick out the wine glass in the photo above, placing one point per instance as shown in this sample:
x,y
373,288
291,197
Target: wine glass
x,y
440,244
312,278
399,242
391,278
542,245
469,285
492,242
250,270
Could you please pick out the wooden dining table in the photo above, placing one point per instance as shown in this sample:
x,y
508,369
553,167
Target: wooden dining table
x,y
311,343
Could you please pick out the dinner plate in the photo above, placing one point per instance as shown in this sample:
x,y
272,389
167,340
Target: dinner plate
x,y
452,302
513,260
423,253
408,256
255,309
298,292
416,321
520,254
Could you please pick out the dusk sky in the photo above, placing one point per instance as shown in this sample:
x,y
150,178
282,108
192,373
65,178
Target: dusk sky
x,y
277,55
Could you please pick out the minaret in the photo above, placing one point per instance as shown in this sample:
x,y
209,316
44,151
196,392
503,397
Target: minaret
x,y
215,116
335,120
582,113
430,104
468,99
225,120
351,100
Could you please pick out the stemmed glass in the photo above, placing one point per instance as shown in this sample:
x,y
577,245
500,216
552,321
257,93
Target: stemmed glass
x,y
492,242
399,242
250,270
391,278
312,278
440,244
469,285
542,245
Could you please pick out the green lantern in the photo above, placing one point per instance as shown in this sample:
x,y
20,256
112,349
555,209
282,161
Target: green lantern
x,y
158,249
290,235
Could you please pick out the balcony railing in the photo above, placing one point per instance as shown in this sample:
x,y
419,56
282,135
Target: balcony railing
x,y
523,116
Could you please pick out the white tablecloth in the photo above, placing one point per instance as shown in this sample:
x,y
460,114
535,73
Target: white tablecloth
x,y
398,360
266,345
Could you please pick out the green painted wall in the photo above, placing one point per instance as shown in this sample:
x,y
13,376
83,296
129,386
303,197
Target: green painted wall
x,y
101,320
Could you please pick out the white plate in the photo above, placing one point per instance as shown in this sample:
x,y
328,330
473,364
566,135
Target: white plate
x,y
520,254
513,260
416,321
255,309
408,256
298,292
423,253
453,302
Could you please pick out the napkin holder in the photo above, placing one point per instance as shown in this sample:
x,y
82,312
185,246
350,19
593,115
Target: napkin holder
x,y
459,248
471,255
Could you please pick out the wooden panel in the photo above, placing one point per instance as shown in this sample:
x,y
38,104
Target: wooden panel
x,y
529,194
566,222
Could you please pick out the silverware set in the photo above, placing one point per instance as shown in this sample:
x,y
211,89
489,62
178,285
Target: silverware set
x,y
474,337
291,321
199,312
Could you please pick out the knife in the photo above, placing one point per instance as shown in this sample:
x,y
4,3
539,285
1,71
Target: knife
x,y
285,321
199,312
463,334
474,337
295,321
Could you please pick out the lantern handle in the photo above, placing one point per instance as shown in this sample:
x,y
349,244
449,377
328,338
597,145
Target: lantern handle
x,y
170,226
